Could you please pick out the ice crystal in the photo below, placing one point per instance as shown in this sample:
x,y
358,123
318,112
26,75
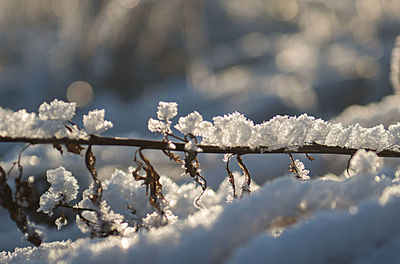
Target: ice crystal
x,y
94,122
57,110
235,130
162,127
190,124
64,187
167,110
60,222
191,146
302,173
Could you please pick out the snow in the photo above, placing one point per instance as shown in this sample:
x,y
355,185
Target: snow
x,y
327,217
94,122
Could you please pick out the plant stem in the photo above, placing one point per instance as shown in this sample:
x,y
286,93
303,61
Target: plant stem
x,y
154,144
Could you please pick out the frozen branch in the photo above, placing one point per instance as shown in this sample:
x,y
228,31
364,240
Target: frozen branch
x,y
153,144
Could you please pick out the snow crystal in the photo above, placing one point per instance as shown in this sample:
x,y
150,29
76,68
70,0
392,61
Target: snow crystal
x,y
167,110
63,187
57,110
94,122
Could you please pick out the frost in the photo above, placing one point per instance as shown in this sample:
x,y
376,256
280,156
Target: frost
x,y
291,132
191,146
190,124
155,125
60,222
302,173
57,110
51,122
63,187
94,122
167,110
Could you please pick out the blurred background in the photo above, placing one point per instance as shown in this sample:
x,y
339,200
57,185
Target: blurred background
x,y
258,57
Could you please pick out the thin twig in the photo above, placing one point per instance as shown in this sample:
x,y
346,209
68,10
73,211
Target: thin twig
x,y
312,148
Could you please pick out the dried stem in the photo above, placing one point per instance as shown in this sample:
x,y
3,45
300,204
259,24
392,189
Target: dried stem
x,y
15,211
230,175
311,148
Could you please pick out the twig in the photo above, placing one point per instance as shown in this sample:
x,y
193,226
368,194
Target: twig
x,y
311,148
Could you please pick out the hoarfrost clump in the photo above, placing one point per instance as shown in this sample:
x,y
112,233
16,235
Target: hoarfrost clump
x,y
232,130
190,124
127,197
51,122
60,222
302,173
165,112
94,122
155,125
64,187
100,220
57,110
191,146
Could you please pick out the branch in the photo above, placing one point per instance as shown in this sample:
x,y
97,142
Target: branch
x,y
313,148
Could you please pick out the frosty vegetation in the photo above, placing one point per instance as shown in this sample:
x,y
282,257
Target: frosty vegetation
x,y
137,211
280,132
52,121
134,212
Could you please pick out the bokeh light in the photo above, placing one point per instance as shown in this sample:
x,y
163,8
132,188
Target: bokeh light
x,y
81,93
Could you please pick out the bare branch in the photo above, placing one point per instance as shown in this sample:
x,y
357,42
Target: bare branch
x,y
312,148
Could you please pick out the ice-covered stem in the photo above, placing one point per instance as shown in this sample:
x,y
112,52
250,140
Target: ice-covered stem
x,y
15,211
155,144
